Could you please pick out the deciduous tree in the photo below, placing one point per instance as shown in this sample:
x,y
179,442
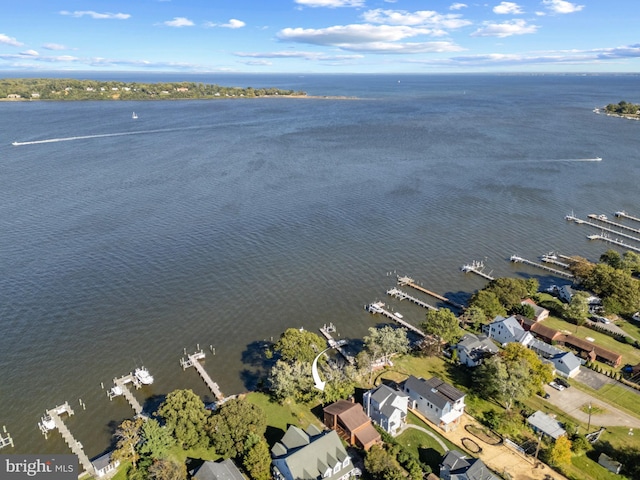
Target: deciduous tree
x,y
442,324
185,417
299,345
230,426
386,341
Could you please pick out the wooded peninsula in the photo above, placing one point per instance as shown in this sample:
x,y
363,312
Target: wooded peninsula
x,y
71,89
624,109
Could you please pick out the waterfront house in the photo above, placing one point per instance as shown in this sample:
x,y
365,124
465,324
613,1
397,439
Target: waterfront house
x,y
311,455
223,470
351,423
473,349
386,407
545,424
441,403
539,313
456,466
565,292
505,330
103,465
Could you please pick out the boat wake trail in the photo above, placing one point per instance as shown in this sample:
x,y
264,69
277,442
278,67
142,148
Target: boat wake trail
x,y
104,135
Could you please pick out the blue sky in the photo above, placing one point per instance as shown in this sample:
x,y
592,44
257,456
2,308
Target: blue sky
x,y
321,36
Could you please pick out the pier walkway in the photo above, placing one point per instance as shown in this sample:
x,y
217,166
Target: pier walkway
x,y
623,214
608,239
400,295
121,388
52,420
553,259
378,307
602,228
409,282
193,360
477,268
603,219
5,440
517,259
338,345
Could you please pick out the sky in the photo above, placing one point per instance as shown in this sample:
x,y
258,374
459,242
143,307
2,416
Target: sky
x,y
320,36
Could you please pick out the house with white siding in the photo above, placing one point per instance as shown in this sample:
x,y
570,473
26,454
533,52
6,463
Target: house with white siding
x,y
441,403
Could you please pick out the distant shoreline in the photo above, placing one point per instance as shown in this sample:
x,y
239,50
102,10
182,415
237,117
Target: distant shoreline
x,y
300,97
602,111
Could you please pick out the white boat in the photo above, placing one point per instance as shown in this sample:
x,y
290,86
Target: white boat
x,y
143,376
134,115
15,143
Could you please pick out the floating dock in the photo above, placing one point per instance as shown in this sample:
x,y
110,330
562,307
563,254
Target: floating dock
x,y
51,420
409,282
400,295
338,345
623,214
517,259
378,307
5,440
613,241
193,360
477,268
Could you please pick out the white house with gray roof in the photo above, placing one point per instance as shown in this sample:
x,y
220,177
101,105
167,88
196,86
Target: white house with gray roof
x,y
473,349
546,424
386,407
311,455
439,402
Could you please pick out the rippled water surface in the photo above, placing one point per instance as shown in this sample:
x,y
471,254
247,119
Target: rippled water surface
x,y
224,222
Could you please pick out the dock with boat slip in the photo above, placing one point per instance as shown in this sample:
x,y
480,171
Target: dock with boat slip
x,y
400,295
613,241
378,307
409,282
572,218
477,268
51,420
623,214
517,259
338,345
193,360
121,388
604,219
6,440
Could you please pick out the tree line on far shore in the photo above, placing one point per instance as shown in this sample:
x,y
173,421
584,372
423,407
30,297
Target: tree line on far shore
x,y
72,89
624,108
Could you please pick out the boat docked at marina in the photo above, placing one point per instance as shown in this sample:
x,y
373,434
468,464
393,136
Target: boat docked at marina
x,y
143,376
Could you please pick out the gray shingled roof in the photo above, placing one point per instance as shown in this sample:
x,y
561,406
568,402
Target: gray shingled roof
x,y
435,390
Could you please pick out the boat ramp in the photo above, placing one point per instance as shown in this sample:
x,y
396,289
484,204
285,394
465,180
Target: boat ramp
x,y
477,268
378,307
409,282
193,360
51,420
338,345
517,259
5,440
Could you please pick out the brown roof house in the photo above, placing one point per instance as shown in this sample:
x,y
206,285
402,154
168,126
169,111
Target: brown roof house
x,y
351,423
539,313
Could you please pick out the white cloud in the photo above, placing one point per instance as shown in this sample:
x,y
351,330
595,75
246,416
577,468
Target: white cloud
x,y
233,23
7,40
299,54
562,6
179,22
30,53
53,46
350,34
331,3
507,8
506,29
422,17
458,6
96,15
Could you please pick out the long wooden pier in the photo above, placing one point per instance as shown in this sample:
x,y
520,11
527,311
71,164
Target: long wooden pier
x,y
604,219
121,388
338,345
614,241
5,440
477,268
603,228
553,259
378,307
400,295
623,214
409,282
517,259
193,360
52,420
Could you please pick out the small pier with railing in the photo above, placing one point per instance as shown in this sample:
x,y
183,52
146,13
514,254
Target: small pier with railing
x,y
623,214
614,241
553,259
120,387
338,345
604,219
605,229
51,420
400,295
5,440
561,273
477,268
193,360
409,282
378,307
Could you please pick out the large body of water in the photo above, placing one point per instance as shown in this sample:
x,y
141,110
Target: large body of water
x,y
225,222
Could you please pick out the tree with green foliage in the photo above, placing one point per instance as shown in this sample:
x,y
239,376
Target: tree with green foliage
x,y
299,345
386,341
257,461
229,427
381,465
619,291
473,317
185,418
155,440
611,258
560,452
442,324
511,291
292,381
631,262
489,303
577,310
128,435
524,309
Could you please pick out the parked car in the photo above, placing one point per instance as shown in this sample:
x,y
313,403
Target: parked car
x,y
598,318
544,395
563,382
557,386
